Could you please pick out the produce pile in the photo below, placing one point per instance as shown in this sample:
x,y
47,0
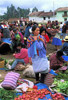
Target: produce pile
x,y
61,86
57,96
39,94
7,94
61,82
6,61
34,95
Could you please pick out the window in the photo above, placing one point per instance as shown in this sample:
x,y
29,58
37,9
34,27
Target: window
x,y
65,13
65,19
44,18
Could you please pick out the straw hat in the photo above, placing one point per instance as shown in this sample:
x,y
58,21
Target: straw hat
x,y
66,38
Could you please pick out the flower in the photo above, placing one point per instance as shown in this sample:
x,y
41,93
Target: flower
x,y
62,80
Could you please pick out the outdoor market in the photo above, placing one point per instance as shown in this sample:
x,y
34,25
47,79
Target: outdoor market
x,y
34,55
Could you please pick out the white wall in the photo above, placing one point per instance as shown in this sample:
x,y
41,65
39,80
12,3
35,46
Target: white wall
x,y
40,19
36,19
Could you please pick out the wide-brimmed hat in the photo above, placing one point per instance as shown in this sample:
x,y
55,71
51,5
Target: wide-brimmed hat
x,y
66,38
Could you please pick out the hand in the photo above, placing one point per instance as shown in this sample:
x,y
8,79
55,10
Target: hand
x,y
35,37
30,61
61,65
14,54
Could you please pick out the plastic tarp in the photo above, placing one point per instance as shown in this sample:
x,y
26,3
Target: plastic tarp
x,y
42,86
65,58
7,40
52,72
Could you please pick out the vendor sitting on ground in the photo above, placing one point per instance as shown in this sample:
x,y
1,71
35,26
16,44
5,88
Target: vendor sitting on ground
x,y
22,56
56,60
4,48
65,46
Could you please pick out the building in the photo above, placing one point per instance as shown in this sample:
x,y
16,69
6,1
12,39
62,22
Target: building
x,y
41,16
62,14
18,19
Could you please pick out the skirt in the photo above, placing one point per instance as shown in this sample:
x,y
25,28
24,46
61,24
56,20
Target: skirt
x,y
40,64
57,42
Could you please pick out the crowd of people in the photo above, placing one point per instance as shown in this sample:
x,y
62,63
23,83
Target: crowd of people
x,y
29,44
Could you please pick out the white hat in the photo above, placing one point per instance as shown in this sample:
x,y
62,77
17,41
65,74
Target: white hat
x,y
66,38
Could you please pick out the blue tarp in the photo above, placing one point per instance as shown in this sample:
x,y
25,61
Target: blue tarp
x,y
2,68
65,58
42,86
52,72
7,40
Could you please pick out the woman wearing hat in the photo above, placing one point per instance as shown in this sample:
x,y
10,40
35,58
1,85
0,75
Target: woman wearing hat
x,y
65,46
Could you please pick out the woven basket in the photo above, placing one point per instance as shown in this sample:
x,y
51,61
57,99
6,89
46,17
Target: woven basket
x,y
2,62
49,79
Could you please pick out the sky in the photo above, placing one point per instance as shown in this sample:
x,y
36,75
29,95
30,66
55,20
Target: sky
x,y
42,5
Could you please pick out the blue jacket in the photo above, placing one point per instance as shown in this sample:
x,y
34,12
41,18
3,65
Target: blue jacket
x,y
27,33
65,48
37,45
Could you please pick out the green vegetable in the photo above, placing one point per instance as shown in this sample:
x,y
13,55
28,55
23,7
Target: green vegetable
x,y
7,94
61,86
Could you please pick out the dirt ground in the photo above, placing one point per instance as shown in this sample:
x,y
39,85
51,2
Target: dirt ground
x,y
50,49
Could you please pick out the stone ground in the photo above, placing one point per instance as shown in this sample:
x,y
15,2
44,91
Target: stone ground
x,y
50,49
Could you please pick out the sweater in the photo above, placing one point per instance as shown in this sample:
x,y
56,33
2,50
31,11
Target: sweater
x,y
22,55
65,48
40,47
55,63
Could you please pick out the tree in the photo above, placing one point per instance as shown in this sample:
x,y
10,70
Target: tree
x,y
12,12
34,9
50,10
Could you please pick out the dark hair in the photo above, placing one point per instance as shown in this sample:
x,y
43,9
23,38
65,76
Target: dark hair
x,y
59,53
29,24
57,27
14,30
10,29
20,44
42,29
34,27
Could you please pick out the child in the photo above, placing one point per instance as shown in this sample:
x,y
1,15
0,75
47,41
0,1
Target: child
x,y
43,33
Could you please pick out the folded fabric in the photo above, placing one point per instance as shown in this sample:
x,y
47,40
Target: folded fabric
x,y
24,86
63,68
10,80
